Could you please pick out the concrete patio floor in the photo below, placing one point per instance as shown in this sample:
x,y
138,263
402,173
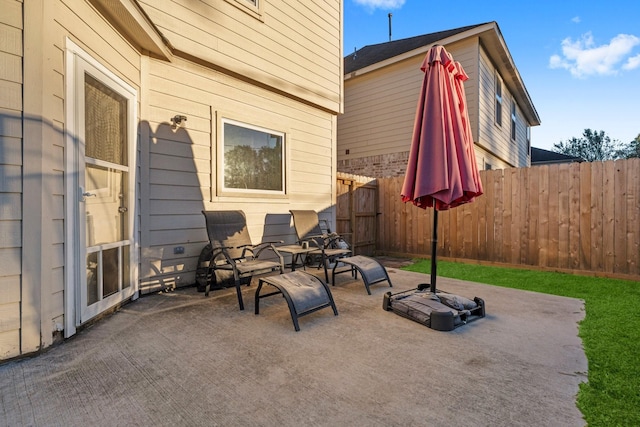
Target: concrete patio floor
x,y
180,359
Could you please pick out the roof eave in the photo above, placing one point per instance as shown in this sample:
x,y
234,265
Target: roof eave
x,y
131,21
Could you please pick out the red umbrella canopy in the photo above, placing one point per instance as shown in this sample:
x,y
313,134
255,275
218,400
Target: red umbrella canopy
x,y
442,170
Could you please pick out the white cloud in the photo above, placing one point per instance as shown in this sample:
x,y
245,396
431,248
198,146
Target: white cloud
x,y
576,19
381,4
583,58
632,63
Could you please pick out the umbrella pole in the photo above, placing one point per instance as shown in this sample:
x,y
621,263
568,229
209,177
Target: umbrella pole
x,y
434,249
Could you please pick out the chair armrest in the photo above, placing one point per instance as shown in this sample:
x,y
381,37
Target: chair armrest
x,y
271,246
314,239
263,245
256,249
271,242
327,239
222,250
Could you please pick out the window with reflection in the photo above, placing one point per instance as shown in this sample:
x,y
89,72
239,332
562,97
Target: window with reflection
x,y
252,158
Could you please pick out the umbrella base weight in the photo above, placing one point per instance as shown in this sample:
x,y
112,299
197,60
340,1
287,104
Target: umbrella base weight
x,y
441,311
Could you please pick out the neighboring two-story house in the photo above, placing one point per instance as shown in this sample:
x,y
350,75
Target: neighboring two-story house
x,y
121,120
381,87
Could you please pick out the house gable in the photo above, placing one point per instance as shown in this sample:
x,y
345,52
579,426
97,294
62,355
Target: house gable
x,y
381,90
373,57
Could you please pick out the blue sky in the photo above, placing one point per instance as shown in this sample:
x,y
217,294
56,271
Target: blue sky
x,y
579,59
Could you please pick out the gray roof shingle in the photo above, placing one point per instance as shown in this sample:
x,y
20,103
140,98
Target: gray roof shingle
x,y
540,156
375,53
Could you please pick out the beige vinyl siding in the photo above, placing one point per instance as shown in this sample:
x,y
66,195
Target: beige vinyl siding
x,y
10,174
487,160
86,27
379,111
380,106
493,138
302,35
183,164
83,25
56,209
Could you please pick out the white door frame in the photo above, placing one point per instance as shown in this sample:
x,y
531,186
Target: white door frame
x,y
74,246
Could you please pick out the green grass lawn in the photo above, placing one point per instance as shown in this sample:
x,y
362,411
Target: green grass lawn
x,y
610,332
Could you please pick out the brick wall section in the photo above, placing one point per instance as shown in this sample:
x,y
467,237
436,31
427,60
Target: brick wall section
x,y
380,166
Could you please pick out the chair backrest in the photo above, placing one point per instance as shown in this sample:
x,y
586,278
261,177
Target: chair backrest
x,y
306,224
227,229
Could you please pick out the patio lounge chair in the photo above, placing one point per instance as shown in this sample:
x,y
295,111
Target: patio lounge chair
x,y
304,293
329,246
308,228
233,252
370,269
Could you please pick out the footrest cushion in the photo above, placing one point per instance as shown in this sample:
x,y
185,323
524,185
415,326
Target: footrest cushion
x,y
306,291
368,267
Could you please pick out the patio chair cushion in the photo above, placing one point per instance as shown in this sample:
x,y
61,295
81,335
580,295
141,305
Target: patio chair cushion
x,y
329,246
304,293
232,252
370,269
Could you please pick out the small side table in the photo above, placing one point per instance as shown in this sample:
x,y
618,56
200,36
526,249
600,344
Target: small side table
x,y
296,251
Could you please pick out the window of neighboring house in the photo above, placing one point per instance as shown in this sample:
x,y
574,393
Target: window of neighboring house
x,y
487,166
513,119
498,100
253,159
529,140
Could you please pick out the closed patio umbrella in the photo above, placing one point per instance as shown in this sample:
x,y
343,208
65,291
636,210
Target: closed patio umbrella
x,y
441,171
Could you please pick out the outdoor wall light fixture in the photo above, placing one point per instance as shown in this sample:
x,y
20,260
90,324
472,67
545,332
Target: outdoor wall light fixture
x,y
178,119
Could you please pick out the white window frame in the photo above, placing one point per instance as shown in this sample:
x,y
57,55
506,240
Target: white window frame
x,y
222,189
251,7
499,97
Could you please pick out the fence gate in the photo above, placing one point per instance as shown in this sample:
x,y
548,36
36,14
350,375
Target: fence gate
x,y
356,212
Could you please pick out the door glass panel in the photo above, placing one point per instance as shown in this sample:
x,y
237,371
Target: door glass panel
x,y
106,211
92,278
110,271
105,123
126,271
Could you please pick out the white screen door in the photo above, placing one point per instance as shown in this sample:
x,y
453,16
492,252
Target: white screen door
x,y
104,144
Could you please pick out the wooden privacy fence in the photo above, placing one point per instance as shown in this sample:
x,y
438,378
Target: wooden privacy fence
x,y
574,217
356,212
